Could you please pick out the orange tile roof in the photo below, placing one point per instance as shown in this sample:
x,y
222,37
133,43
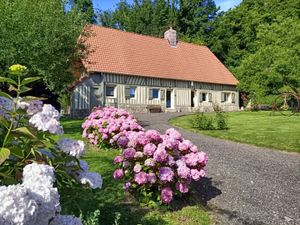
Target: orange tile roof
x,y
115,51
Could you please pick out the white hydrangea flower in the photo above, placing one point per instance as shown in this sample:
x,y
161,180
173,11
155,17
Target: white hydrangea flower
x,y
71,147
50,111
65,220
93,179
47,120
38,175
17,207
34,107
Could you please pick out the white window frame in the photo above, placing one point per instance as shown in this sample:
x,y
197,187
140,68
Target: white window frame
x,y
158,91
114,87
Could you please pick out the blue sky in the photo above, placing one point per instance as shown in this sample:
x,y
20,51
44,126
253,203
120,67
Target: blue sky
x,y
109,4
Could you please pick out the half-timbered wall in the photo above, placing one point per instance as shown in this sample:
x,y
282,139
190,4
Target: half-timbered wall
x,y
91,93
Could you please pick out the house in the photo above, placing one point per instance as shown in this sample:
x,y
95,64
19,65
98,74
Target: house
x,y
140,73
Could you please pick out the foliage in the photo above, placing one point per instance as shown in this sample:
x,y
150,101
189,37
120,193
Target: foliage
x,y
259,42
92,219
221,121
43,36
27,127
261,128
210,122
203,122
276,63
86,8
192,19
104,124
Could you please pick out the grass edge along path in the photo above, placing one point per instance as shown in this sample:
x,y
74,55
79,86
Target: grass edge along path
x,y
262,128
116,207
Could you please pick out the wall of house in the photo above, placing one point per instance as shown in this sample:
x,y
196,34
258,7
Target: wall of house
x,y
91,93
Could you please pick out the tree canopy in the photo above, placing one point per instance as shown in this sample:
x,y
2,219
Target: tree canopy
x,y
43,36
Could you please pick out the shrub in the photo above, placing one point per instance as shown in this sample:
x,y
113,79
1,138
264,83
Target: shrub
x,y
203,122
156,167
221,121
106,122
26,137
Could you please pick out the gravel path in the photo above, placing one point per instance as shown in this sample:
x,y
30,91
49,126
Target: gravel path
x,y
246,184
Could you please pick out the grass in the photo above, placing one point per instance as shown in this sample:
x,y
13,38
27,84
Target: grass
x,y
113,202
262,128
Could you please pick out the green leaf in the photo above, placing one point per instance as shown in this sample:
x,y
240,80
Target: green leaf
x,y
29,80
8,80
25,131
4,154
16,151
25,89
31,98
3,94
4,122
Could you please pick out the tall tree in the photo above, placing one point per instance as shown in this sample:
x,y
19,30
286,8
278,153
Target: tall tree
x,y
276,63
86,8
42,36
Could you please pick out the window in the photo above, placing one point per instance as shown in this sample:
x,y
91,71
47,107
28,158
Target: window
x,y
233,97
153,93
110,91
225,97
130,92
205,97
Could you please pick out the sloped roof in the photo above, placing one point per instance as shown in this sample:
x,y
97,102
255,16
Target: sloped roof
x,y
119,52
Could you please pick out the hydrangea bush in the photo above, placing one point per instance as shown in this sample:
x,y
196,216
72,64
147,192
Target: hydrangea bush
x,y
104,123
26,136
27,127
35,201
153,166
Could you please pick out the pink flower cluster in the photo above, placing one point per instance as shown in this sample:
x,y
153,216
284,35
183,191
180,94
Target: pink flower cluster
x,y
106,122
163,164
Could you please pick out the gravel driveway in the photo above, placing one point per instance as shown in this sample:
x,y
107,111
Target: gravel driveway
x,y
248,185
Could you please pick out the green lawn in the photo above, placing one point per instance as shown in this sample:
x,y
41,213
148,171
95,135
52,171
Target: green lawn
x,y
112,201
262,128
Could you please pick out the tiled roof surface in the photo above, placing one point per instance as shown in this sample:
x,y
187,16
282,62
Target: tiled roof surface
x,y
115,51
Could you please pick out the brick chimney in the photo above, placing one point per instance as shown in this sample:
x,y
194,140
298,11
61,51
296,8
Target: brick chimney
x,y
171,36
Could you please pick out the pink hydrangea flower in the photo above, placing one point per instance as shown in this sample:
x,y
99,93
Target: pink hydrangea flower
x,y
118,159
129,153
141,178
182,187
152,178
160,155
166,195
149,149
118,174
184,172
137,168
166,174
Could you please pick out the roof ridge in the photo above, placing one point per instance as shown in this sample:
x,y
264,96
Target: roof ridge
x,y
144,35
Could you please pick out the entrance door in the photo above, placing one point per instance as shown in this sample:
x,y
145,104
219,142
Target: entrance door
x,y
168,99
192,99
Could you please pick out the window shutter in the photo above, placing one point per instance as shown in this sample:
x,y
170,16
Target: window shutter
x,y
162,95
210,97
150,94
127,92
222,97
233,97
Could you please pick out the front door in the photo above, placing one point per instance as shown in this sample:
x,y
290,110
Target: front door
x,y
168,99
192,99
